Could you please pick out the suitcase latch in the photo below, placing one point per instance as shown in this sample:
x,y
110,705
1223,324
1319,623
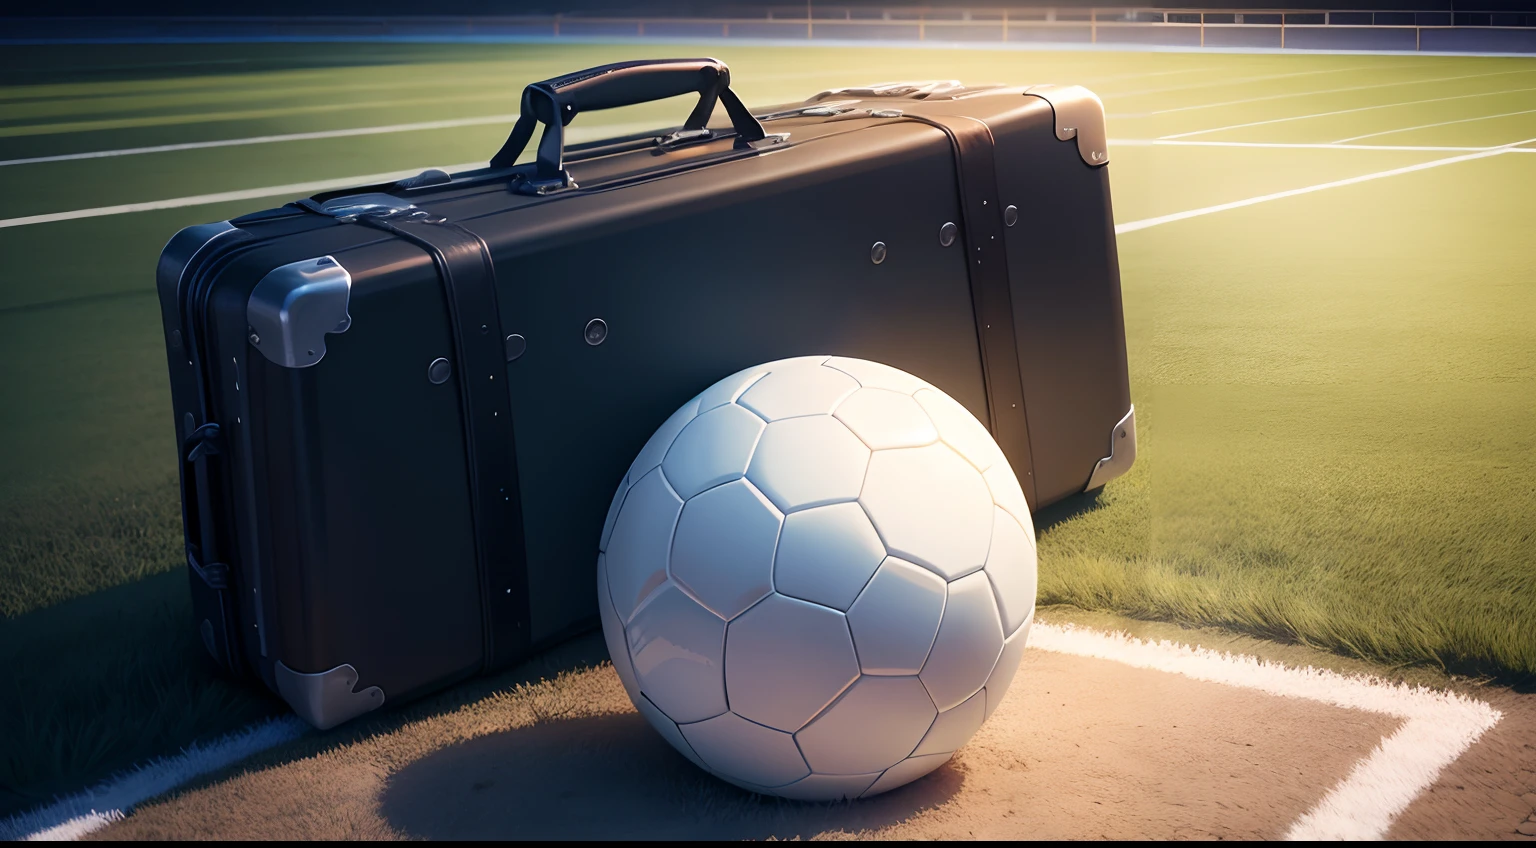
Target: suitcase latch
x,y
204,441
215,574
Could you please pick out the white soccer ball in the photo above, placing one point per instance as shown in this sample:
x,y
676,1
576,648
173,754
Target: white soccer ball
x,y
817,578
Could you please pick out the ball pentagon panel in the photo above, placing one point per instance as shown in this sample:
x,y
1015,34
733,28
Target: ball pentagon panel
x,y
722,553
785,660
808,461
896,617
873,726
714,448
969,642
930,507
677,647
827,554
801,389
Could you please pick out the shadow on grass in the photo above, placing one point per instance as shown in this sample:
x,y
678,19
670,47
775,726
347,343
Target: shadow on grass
x,y
613,777
1067,508
97,684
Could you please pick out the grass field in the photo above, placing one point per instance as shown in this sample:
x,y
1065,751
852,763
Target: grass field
x,y
1335,389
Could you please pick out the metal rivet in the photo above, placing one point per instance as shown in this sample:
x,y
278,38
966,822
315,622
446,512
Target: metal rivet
x,y
439,371
983,203
255,339
1011,215
947,233
485,328
596,332
516,344
877,252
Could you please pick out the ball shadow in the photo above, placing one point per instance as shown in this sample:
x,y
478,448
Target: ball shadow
x,y
612,777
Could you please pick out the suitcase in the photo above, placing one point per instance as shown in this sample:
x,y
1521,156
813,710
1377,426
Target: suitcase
x,y
402,409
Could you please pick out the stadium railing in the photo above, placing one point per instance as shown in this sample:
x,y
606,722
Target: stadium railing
x,y
1179,28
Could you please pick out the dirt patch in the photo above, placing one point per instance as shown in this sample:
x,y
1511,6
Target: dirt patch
x,y
1081,748
1490,791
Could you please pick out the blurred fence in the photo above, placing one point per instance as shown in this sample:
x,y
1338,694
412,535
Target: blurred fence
x,y
1478,32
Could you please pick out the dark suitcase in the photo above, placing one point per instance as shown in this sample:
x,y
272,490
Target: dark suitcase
x,y
403,409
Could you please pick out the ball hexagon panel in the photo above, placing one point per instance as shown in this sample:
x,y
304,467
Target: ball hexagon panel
x,y
954,727
790,391
873,726
896,618
1011,568
1007,665
1007,494
722,553
905,772
885,419
740,750
714,448
806,462
613,633
826,554
655,449
613,513
959,428
785,660
667,728
875,375
730,388
641,542
827,787
678,648
930,507
969,642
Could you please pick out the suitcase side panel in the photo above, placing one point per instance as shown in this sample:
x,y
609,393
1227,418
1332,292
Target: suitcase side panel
x,y
354,489
698,276
1065,277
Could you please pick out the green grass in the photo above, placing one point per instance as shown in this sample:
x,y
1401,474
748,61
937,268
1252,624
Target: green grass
x,y
1334,390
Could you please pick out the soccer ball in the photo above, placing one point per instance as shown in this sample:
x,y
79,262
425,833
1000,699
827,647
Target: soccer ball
x,y
817,578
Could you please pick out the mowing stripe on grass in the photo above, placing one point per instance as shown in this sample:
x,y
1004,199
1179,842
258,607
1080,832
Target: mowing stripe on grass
x,y
1253,201
1440,124
1347,111
1238,80
1310,145
95,808
1438,726
1334,91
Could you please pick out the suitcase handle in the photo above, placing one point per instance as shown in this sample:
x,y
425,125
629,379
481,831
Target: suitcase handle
x,y
555,102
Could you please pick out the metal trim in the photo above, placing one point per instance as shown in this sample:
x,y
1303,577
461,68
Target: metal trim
x,y
295,306
1122,452
1079,115
327,698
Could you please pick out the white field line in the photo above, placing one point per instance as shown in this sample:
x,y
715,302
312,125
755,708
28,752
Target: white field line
x,y
1333,91
1307,145
74,816
1253,201
1440,124
1437,728
369,179
578,133
268,139
1349,111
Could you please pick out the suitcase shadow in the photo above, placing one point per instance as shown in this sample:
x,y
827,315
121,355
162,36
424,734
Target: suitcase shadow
x,y
1070,507
612,777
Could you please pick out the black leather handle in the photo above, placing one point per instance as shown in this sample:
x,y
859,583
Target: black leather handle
x,y
555,102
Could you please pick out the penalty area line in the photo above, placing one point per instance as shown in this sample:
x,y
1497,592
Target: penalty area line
x,y
1437,728
1133,226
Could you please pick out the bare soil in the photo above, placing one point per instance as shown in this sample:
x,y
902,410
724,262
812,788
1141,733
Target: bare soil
x,y
1081,749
